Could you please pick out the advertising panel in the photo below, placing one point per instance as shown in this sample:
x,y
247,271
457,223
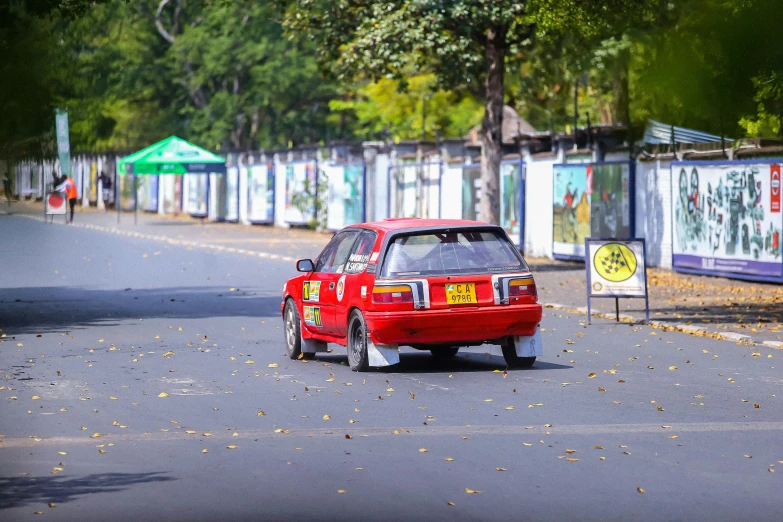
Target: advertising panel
x,y
616,268
510,195
260,194
471,192
727,218
346,194
405,183
196,196
232,194
300,192
589,200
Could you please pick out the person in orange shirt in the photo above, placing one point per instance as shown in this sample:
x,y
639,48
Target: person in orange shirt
x,y
68,186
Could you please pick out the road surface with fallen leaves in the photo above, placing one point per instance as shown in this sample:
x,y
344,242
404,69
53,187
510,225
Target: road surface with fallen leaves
x,y
147,380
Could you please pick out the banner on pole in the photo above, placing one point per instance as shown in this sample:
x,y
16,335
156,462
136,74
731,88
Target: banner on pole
x,y
63,141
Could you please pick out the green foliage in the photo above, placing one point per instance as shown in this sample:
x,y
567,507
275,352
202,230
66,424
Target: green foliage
x,y
382,108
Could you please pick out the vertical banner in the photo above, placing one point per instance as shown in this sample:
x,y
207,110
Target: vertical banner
x,y
300,192
93,181
510,194
724,222
589,200
260,194
404,191
63,141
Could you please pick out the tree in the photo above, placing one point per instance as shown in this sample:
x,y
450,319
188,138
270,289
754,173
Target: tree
x,y
464,43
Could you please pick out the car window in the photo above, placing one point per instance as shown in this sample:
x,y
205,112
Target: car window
x,y
360,254
335,255
451,252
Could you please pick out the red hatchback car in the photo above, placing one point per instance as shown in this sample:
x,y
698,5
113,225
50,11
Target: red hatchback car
x,y
429,284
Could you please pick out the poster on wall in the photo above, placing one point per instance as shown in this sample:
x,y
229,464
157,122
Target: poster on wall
x,y
589,200
232,194
727,218
471,192
510,194
300,193
196,197
346,194
260,194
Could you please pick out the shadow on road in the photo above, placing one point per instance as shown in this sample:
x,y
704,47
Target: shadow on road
x,y
46,309
19,491
423,362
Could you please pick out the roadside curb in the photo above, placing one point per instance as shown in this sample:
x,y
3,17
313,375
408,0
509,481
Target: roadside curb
x,y
168,240
696,331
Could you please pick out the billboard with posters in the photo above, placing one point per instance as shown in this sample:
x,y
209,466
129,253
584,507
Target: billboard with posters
x,y
197,189
471,192
232,194
510,199
300,192
261,193
727,218
346,194
590,200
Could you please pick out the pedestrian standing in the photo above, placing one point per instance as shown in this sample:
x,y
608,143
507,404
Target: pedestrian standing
x,y
105,190
68,186
7,187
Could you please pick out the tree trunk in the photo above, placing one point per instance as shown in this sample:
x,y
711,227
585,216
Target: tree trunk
x,y
492,126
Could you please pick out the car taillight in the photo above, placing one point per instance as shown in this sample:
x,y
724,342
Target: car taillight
x,y
392,294
520,287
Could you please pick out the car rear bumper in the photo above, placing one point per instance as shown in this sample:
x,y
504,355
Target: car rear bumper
x,y
453,325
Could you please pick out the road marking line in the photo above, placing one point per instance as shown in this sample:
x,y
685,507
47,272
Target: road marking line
x,y
574,429
165,239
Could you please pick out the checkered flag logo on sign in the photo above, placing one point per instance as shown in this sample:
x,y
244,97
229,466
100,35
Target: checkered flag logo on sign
x,y
614,262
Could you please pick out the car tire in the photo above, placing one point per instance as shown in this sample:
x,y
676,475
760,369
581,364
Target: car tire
x,y
292,330
358,358
444,353
513,360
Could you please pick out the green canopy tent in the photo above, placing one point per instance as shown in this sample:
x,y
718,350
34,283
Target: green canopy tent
x,y
170,156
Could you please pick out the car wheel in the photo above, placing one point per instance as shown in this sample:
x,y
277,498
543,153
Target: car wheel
x,y
512,359
292,330
444,353
357,342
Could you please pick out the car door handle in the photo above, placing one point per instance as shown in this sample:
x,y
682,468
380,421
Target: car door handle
x,y
331,286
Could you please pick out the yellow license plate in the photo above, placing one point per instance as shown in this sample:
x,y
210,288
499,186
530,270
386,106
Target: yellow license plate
x,y
461,293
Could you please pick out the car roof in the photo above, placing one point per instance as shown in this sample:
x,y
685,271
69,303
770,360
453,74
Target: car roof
x,y
398,224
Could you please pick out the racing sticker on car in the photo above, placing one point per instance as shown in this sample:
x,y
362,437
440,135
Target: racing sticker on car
x,y
340,288
357,263
312,316
311,292
374,257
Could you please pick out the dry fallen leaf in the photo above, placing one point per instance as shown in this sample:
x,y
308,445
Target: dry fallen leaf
x,y
449,459
341,491
163,394
501,469
591,375
95,435
327,417
422,450
641,490
205,450
232,447
471,491
450,503
273,365
250,362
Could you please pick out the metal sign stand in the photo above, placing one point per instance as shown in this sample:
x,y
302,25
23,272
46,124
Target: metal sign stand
x,y
588,264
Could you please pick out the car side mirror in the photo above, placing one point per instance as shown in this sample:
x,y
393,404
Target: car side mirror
x,y
304,265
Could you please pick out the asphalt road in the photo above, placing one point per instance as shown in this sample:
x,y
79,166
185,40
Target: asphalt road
x,y
148,381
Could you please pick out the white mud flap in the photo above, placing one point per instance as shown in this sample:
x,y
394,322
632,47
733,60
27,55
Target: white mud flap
x,y
529,346
382,354
313,346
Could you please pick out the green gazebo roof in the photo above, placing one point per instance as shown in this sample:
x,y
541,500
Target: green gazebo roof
x,y
171,156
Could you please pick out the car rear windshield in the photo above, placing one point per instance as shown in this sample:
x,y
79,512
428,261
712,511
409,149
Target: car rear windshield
x,y
451,252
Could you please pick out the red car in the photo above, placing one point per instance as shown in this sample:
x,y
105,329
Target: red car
x,y
429,284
